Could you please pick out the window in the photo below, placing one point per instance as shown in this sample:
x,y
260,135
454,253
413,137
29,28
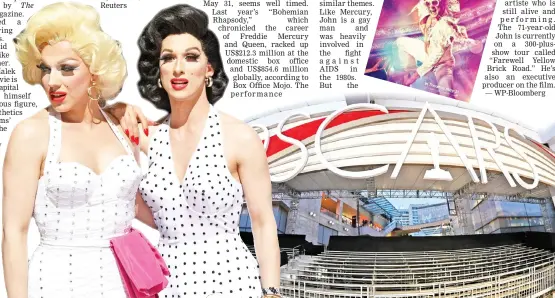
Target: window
x,y
245,221
280,215
504,216
324,234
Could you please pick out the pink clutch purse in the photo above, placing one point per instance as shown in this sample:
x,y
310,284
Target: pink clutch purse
x,y
141,266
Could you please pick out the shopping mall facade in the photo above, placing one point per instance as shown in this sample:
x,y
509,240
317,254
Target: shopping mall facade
x,y
336,162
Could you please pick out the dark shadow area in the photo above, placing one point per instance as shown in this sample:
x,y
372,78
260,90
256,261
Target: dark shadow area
x,y
539,240
289,241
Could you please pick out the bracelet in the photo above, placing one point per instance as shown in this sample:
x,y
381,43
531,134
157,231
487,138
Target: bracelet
x,y
271,292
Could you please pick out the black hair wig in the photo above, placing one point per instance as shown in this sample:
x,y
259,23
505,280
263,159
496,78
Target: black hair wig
x,y
177,19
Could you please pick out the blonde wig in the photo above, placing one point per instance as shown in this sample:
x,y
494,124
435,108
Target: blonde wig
x,y
78,24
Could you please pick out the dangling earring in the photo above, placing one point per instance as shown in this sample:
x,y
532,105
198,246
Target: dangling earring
x,y
159,83
208,82
89,91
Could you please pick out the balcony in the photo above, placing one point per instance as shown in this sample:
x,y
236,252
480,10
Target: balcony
x,y
329,213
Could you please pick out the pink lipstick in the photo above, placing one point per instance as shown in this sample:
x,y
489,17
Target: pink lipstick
x,y
179,84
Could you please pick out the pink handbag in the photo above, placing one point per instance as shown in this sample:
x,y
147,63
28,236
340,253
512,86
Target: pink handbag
x,y
141,266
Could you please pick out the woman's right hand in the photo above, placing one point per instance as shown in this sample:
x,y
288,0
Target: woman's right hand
x,y
129,117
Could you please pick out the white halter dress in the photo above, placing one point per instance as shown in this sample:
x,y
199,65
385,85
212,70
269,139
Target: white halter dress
x,y
77,212
198,219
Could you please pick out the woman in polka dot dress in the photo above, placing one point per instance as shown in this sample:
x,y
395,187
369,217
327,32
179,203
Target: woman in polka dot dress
x,y
70,168
202,165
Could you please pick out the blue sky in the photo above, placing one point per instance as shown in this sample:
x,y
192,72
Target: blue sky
x,y
404,203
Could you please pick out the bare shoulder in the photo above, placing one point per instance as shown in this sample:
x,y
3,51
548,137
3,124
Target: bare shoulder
x,y
31,134
239,130
244,142
114,119
35,127
118,125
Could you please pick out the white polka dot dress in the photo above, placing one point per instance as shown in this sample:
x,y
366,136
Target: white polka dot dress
x,y
77,212
198,219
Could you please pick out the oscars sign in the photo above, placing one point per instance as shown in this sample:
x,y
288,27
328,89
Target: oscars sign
x,y
436,173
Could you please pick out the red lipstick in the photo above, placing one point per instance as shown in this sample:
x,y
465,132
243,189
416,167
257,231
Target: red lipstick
x,y
179,84
57,96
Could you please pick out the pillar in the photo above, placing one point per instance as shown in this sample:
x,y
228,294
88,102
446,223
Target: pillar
x,y
339,208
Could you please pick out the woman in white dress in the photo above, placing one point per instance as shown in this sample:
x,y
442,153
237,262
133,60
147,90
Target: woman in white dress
x,y
202,165
70,168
